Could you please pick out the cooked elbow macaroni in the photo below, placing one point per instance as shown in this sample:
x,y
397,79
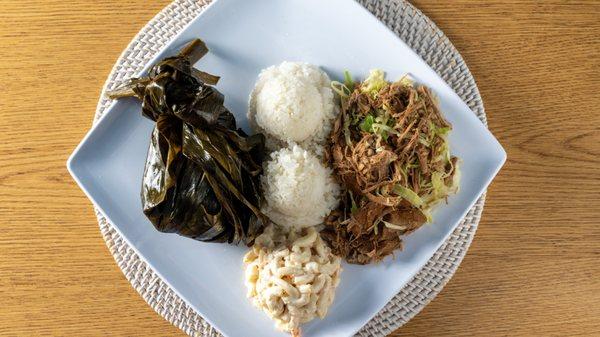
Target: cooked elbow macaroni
x,y
291,275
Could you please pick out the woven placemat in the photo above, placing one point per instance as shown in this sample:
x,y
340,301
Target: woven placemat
x,y
422,35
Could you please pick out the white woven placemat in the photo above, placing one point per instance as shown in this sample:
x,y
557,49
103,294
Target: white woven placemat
x,y
422,35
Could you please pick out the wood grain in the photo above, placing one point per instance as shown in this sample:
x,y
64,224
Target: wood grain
x,y
533,269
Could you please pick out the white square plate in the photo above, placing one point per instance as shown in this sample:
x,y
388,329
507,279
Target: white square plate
x,y
245,37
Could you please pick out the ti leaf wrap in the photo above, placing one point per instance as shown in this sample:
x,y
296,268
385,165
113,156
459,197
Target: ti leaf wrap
x,y
201,178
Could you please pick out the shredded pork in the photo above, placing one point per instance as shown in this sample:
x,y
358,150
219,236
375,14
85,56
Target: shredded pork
x,y
388,148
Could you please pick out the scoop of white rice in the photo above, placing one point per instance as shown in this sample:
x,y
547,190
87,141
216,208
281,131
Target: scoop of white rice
x,y
299,191
292,102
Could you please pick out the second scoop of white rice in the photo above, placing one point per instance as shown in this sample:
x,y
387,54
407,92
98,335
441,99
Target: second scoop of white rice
x,y
299,191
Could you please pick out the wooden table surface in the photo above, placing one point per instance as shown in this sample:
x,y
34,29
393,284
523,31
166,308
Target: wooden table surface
x,y
533,268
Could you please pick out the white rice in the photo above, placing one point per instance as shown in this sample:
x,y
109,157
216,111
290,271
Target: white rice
x,y
299,191
292,103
